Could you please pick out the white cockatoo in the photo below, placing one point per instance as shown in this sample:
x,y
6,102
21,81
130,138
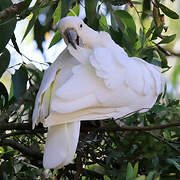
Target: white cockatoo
x,y
92,79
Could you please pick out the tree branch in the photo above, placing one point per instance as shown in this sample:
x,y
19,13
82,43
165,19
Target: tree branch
x,y
14,9
135,128
17,133
28,126
15,126
27,151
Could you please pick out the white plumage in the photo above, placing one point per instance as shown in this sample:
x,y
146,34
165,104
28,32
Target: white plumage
x,y
93,78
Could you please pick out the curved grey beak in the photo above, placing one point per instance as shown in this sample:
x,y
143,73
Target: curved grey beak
x,y
71,36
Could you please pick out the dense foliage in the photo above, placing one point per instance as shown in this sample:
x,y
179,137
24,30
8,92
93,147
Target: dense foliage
x,y
146,146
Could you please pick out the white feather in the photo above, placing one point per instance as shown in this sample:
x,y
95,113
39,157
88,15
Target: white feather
x,y
61,145
93,82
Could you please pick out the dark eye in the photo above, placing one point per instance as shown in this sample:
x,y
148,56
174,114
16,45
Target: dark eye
x,y
80,25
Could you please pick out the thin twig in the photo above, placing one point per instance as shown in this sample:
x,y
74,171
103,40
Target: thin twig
x,y
131,113
30,60
164,141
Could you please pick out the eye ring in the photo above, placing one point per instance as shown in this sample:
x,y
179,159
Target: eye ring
x,y
81,26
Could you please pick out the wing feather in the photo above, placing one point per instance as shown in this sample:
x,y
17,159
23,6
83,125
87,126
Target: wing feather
x,y
107,68
62,66
116,68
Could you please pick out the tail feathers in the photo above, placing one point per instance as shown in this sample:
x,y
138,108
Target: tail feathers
x,y
61,144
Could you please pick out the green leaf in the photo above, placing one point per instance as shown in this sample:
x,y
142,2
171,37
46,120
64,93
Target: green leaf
x,y
19,80
123,17
103,23
64,8
4,60
57,13
74,11
168,12
27,3
163,57
151,175
3,95
39,34
106,177
5,4
150,30
33,71
57,37
167,134
130,172
157,32
146,8
167,39
31,23
136,169
11,93
174,162
13,39
24,6
91,14
7,25
142,37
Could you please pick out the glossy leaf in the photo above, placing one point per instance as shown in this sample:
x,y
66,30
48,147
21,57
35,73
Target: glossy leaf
x,y
7,25
57,13
74,11
4,60
31,23
39,34
175,162
157,32
91,14
163,57
146,8
57,37
168,12
167,39
3,95
13,39
103,23
123,17
151,175
11,93
27,3
150,30
65,7
136,169
19,80
130,172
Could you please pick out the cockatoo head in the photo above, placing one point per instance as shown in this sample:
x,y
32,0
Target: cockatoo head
x,y
76,32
